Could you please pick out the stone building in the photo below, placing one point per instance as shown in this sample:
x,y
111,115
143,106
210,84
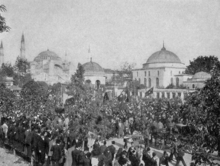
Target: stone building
x,y
50,68
161,69
94,74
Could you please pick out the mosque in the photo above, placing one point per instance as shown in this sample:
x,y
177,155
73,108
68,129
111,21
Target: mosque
x,y
161,69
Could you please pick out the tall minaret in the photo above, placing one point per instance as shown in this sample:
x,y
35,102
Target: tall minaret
x,y
1,54
22,49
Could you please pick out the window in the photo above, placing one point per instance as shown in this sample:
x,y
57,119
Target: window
x,y
137,74
139,80
179,94
171,73
145,81
179,72
171,81
163,95
193,86
174,94
145,73
148,73
158,95
141,94
177,82
157,82
149,82
158,73
168,95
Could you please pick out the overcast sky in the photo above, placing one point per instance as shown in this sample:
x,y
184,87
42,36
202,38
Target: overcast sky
x,y
116,30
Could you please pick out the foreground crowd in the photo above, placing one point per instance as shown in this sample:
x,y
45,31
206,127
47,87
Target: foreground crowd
x,y
47,142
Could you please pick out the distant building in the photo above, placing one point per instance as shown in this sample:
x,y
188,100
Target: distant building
x,y
22,49
94,74
197,81
161,69
50,68
8,82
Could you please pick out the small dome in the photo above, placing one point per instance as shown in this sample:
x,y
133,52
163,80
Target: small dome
x,y
93,68
163,56
201,76
46,55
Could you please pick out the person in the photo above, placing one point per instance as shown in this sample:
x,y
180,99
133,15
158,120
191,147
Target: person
x,y
56,153
103,147
5,131
77,155
155,161
180,155
133,157
164,160
148,161
112,149
123,160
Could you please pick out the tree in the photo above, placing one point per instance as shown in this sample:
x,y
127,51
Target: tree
x,y
22,72
202,107
3,26
34,96
7,99
202,63
77,88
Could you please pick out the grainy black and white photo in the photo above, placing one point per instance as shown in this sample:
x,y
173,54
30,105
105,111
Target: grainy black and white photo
x,y
110,83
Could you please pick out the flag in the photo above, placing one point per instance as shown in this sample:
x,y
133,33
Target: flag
x,y
149,92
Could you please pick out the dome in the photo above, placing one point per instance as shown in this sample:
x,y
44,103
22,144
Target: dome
x,y
202,76
93,68
45,55
163,56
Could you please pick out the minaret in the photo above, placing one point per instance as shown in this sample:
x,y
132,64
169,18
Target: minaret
x,y
22,49
1,54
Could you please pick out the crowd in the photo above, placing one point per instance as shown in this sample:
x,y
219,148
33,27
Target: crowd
x,y
48,138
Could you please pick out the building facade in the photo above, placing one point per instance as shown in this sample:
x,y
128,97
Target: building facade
x,y
50,68
94,74
161,69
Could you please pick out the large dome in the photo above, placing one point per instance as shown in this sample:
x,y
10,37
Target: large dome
x,y
46,55
163,56
93,68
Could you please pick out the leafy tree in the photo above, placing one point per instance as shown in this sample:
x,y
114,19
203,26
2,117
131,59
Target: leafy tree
x,y
3,26
202,63
34,96
22,72
7,99
202,107
78,88
7,70
22,66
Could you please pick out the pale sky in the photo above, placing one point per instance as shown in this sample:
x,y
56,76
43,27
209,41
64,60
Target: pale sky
x,y
116,30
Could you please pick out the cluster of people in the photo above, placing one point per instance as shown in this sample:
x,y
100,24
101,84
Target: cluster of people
x,y
47,138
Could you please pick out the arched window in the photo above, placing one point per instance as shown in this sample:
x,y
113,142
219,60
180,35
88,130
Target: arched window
x,y
145,81
171,81
149,82
157,82
177,82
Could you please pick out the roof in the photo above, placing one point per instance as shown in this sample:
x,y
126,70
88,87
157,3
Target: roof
x,y
201,75
45,55
92,67
163,56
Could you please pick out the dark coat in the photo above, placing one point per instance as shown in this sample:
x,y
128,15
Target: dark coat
x,y
77,158
57,153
